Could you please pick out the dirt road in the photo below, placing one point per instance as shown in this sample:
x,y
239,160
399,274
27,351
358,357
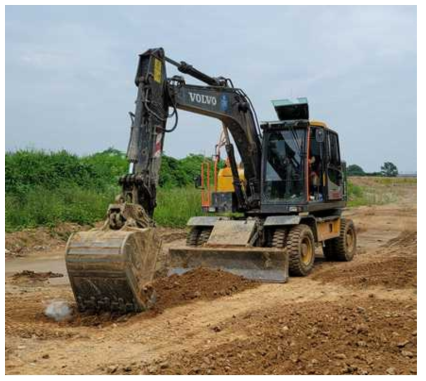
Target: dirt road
x,y
345,318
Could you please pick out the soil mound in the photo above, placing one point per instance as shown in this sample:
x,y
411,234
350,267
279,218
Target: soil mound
x,y
32,276
19,243
364,337
406,239
197,284
393,266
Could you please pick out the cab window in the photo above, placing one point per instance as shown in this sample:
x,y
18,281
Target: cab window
x,y
334,170
334,152
284,166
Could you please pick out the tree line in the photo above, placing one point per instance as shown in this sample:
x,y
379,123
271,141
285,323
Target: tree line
x,y
388,169
26,169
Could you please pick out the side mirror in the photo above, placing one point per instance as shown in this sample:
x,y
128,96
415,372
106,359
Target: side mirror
x,y
319,135
197,181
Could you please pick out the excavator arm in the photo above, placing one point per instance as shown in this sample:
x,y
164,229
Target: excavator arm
x,y
157,95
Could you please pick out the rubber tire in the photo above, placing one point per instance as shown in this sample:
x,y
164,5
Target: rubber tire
x,y
294,248
336,249
204,235
192,238
278,237
198,236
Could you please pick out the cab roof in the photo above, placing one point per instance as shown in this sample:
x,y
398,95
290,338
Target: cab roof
x,y
293,112
278,124
291,109
318,123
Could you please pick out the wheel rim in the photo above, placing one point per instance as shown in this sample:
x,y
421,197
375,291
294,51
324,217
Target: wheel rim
x,y
350,240
306,251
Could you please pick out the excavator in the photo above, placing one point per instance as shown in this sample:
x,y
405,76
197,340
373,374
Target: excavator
x,y
265,224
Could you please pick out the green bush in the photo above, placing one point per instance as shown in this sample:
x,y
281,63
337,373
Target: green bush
x,y
355,170
27,169
30,168
45,188
355,195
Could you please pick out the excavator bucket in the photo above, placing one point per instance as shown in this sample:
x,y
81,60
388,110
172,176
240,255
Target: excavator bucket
x,y
110,270
256,263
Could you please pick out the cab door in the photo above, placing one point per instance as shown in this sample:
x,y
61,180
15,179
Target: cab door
x,y
316,164
335,181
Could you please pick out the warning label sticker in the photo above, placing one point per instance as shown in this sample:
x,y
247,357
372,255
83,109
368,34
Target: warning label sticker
x,y
157,70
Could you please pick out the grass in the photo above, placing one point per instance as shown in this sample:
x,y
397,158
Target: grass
x,y
357,195
370,197
177,205
43,207
396,180
49,207
376,190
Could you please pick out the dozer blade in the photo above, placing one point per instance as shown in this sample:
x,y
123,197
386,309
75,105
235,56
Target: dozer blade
x,y
257,263
109,269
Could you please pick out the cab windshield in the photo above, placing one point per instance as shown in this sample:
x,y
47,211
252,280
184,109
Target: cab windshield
x,y
284,165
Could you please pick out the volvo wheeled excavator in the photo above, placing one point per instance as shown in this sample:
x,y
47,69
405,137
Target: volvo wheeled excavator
x,y
267,226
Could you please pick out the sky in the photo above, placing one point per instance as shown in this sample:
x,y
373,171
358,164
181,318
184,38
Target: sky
x,y
70,72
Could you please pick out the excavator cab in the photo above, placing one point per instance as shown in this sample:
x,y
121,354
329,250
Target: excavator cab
x,y
302,168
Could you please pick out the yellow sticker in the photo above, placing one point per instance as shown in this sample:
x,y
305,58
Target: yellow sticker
x,y
157,70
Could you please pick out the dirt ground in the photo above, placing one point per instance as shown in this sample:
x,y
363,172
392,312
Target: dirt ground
x,y
345,318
